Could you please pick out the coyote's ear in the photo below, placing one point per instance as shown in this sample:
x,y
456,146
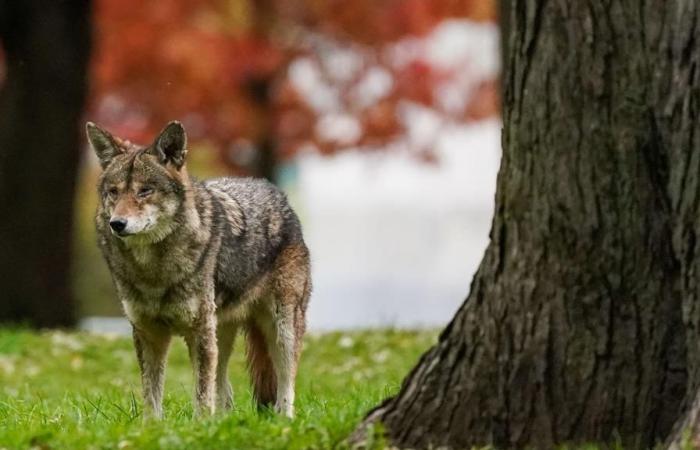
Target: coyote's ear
x,y
171,144
102,143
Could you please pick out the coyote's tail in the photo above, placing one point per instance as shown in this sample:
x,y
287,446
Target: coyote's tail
x,y
262,373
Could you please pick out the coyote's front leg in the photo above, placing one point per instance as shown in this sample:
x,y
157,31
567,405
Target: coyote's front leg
x,y
201,342
151,352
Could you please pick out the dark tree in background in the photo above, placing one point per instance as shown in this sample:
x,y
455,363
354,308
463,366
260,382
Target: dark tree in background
x,y
46,46
582,321
260,87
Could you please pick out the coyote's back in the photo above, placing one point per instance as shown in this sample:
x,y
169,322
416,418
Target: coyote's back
x,y
257,223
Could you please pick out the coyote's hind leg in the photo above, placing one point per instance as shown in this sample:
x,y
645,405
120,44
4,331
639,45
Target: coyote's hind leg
x,y
287,324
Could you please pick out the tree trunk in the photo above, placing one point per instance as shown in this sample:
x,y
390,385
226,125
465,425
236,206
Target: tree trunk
x,y
260,89
265,163
46,45
582,321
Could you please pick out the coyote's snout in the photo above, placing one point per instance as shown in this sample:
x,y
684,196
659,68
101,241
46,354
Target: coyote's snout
x,y
136,212
204,260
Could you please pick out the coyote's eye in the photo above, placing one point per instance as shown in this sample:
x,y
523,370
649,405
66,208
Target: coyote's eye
x,y
145,191
113,192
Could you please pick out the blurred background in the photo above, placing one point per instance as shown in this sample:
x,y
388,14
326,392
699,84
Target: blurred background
x,y
379,118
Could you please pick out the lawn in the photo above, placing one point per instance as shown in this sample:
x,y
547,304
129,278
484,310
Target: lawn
x,y
82,391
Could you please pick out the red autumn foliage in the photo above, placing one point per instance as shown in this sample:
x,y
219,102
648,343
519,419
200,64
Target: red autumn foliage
x,y
221,66
484,101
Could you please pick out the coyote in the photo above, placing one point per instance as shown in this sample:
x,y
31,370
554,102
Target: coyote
x,y
204,260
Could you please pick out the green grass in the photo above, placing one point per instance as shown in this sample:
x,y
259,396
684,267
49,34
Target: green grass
x,y
82,391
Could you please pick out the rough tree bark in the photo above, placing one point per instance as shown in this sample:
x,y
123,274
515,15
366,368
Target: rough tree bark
x,y
46,47
582,321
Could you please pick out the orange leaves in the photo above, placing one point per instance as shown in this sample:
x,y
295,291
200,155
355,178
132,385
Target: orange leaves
x,y
373,22
162,60
221,67
485,101
416,81
476,10
252,57
380,122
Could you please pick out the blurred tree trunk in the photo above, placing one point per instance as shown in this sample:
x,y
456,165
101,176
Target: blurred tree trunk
x,y
582,321
46,46
265,163
260,91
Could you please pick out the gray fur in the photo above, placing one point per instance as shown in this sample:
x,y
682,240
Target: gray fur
x,y
202,260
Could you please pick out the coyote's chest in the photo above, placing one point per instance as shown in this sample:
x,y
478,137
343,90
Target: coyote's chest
x,y
164,289
174,310
151,268
169,284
